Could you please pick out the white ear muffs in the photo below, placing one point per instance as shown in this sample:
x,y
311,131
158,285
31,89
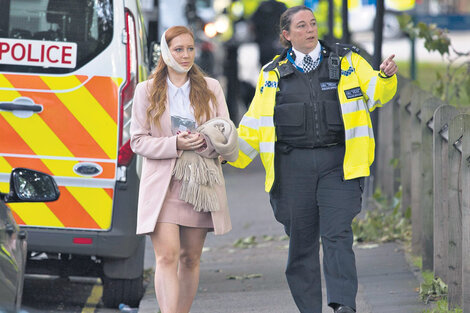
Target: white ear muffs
x,y
168,58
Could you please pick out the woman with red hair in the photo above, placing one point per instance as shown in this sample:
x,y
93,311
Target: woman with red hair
x,y
167,110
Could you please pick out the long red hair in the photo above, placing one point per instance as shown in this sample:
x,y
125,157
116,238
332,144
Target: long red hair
x,y
199,95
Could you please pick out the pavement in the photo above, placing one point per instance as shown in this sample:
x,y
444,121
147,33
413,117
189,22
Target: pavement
x,y
249,276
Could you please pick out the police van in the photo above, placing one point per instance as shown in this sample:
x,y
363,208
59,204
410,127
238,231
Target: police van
x,y
68,70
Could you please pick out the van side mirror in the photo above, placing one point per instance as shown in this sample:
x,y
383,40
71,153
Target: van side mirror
x,y
31,186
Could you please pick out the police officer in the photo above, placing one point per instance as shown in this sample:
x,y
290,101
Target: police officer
x,y
309,121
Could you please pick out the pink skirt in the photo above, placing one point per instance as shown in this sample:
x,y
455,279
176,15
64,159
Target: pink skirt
x,y
176,211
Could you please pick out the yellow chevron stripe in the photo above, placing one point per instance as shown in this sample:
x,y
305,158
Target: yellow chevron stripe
x,y
88,112
5,167
96,202
37,214
5,83
117,80
61,167
8,95
4,187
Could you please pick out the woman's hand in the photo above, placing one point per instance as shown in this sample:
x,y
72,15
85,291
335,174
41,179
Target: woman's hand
x,y
189,141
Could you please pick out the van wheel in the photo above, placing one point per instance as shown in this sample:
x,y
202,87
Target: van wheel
x,y
128,291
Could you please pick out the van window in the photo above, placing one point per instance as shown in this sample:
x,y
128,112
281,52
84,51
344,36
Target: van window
x,y
86,25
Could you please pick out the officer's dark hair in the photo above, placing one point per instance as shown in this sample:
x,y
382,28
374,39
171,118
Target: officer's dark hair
x,y
286,20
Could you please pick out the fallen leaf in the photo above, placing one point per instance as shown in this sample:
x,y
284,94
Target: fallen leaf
x,y
368,246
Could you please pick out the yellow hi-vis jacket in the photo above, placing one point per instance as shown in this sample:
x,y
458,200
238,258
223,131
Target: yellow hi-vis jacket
x,y
257,133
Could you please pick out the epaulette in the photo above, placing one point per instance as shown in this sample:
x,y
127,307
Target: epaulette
x,y
342,49
271,65
285,68
274,63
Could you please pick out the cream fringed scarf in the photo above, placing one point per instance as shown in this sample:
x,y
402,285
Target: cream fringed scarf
x,y
198,176
200,171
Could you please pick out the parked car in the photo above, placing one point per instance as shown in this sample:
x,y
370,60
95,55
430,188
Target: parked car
x,y
362,19
25,186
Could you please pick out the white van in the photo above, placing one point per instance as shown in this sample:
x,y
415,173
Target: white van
x,y
68,69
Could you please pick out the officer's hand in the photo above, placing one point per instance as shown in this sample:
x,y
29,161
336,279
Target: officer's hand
x,y
389,67
188,141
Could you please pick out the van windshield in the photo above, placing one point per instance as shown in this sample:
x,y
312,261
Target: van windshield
x,y
53,36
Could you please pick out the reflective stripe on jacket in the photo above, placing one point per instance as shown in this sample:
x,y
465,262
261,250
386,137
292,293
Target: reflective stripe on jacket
x,y
360,91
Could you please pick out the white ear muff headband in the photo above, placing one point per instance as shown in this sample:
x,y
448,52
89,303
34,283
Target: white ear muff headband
x,y
168,58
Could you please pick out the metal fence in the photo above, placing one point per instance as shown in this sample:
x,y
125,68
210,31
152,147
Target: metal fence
x,y
424,146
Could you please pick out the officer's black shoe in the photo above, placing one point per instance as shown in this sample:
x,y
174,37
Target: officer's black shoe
x,y
344,309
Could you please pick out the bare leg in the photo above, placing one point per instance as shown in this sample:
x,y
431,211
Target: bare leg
x,y
192,242
166,244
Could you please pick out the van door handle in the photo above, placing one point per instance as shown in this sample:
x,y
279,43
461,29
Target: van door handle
x,y
23,107
11,106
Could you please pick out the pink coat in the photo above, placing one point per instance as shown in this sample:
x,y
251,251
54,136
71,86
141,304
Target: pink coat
x,y
158,148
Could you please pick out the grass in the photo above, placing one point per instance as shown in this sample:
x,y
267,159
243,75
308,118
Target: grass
x,y
425,72
434,290
426,78
384,223
417,261
441,307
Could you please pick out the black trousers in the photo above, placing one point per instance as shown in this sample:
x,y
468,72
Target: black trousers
x,y
312,200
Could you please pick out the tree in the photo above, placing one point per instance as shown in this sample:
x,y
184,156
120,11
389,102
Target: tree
x,y
452,85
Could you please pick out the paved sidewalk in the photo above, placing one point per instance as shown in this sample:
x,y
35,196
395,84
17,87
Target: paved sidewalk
x,y
251,279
